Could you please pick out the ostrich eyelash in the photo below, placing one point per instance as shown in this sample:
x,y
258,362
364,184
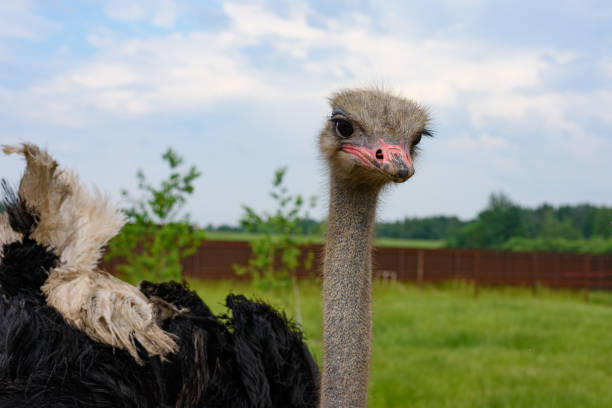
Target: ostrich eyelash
x,y
338,111
427,132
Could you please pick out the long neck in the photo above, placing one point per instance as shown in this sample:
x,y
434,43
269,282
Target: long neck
x,y
347,279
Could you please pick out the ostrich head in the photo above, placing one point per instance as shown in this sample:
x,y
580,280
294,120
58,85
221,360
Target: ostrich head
x,y
371,137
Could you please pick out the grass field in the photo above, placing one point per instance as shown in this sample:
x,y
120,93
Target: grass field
x,y
440,347
384,242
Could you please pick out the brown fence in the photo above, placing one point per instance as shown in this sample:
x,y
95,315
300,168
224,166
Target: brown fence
x,y
214,260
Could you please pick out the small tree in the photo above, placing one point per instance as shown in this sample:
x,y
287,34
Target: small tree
x,y
497,223
155,239
276,252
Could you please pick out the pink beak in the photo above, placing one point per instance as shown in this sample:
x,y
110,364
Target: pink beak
x,y
388,158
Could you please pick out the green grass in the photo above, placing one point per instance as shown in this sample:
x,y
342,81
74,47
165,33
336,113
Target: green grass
x,y
408,243
318,239
440,347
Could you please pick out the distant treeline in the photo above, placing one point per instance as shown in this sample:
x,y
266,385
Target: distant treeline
x,y
503,224
434,228
307,227
439,227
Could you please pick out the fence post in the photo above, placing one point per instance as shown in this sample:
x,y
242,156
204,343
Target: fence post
x,y
534,272
476,272
507,262
420,267
556,270
456,263
587,271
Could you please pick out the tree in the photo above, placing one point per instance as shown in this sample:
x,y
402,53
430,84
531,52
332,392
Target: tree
x,y
497,223
156,237
553,228
437,227
276,251
603,219
504,225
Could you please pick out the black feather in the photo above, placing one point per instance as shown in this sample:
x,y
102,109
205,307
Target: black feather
x,y
253,358
44,362
25,267
21,219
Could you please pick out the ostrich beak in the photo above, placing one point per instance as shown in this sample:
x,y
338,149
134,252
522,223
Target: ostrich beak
x,y
392,160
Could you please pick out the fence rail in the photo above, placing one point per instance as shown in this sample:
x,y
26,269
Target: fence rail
x,y
214,260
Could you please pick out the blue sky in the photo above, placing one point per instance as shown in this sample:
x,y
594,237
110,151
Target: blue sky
x,y
520,94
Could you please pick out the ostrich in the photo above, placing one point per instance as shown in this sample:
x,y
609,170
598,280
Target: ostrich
x,y
370,141
256,358
64,342
76,224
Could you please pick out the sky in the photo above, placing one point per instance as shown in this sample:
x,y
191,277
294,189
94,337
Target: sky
x,y
520,95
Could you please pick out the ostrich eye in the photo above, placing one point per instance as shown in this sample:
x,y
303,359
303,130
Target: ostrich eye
x,y
418,136
417,139
344,128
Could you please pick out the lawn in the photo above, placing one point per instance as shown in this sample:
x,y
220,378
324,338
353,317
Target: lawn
x,y
318,239
441,347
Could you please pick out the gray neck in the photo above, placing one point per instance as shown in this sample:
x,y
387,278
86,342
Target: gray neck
x,y
347,279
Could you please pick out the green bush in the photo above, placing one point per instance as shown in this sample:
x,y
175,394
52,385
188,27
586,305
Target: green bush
x,y
155,239
595,245
505,225
276,249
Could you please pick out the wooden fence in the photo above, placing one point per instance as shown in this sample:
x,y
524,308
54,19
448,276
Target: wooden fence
x,y
214,260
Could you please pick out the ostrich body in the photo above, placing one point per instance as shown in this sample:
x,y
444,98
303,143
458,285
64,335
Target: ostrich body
x,y
72,335
369,142
76,224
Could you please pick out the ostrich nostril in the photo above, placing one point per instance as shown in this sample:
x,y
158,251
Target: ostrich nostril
x,y
379,154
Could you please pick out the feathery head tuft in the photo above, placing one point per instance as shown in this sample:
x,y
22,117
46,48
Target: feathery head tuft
x,y
76,223
73,221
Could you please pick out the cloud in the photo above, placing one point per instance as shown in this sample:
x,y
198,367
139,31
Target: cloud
x,y
256,21
254,84
504,109
492,152
263,57
20,21
136,76
607,68
160,13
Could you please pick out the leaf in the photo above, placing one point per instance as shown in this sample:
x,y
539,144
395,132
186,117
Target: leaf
x,y
276,254
155,239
